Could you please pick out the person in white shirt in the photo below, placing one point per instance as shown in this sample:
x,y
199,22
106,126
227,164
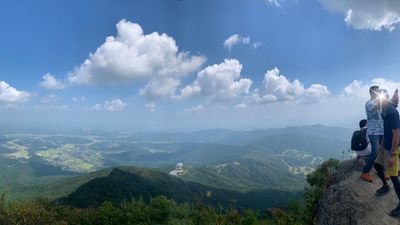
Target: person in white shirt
x,y
375,130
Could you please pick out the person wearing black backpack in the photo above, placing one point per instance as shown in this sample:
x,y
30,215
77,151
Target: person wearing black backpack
x,y
360,143
373,110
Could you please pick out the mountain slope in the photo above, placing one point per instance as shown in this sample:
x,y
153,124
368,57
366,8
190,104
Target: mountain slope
x,y
121,185
246,174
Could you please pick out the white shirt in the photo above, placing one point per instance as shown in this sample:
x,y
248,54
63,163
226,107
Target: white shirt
x,y
375,121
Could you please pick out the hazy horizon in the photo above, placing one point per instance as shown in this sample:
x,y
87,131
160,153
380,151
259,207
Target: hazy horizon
x,y
101,128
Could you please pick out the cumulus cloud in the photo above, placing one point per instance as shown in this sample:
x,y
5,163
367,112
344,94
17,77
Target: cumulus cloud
x,y
50,82
359,90
219,82
356,89
158,88
277,88
237,39
96,107
316,93
10,94
115,105
132,55
367,14
276,3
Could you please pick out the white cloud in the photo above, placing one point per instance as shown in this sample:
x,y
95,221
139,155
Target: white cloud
x,y
237,39
50,82
357,90
257,45
367,14
158,88
10,94
132,55
316,93
115,105
150,106
276,3
257,96
277,88
96,107
219,82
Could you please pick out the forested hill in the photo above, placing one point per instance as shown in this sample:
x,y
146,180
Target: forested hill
x,y
120,186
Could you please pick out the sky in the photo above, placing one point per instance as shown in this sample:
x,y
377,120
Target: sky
x,y
190,65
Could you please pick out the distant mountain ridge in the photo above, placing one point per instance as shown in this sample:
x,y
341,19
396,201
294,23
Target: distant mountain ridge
x,y
226,136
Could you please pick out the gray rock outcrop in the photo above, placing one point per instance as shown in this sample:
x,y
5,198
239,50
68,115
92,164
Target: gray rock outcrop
x,y
349,200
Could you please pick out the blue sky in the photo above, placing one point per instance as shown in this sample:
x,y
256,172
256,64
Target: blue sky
x,y
167,81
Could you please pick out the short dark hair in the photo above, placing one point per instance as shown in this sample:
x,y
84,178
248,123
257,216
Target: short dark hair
x,y
373,88
362,123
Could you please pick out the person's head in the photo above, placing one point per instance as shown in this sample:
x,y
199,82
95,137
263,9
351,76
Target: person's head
x,y
374,91
363,123
384,97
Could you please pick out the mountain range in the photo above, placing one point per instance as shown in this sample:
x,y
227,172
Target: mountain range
x,y
55,164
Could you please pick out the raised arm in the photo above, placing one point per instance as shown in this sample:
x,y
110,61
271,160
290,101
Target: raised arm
x,y
395,98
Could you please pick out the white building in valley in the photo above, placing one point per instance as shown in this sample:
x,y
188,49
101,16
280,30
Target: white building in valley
x,y
178,171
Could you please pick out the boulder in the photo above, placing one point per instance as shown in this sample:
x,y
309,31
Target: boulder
x,y
350,200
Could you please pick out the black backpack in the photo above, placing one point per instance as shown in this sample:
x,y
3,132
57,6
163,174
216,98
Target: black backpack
x,y
359,140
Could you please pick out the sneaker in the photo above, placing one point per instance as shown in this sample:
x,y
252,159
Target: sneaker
x,y
395,212
383,190
367,177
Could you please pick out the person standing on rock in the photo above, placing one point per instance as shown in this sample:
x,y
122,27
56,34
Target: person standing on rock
x,y
387,161
375,130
